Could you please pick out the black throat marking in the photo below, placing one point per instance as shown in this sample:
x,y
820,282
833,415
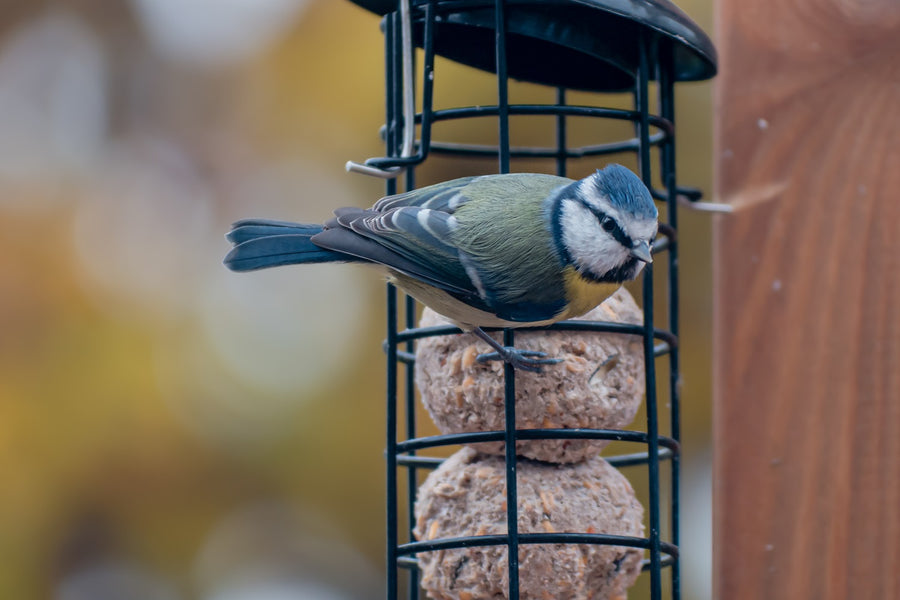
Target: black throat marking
x,y
556,233
624,272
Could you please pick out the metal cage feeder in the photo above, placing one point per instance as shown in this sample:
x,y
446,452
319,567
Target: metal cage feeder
x,y
602,46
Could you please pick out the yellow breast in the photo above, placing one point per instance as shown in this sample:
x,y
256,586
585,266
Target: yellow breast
x,y
583,294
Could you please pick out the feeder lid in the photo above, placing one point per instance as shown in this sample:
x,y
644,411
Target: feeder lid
x,y
581,44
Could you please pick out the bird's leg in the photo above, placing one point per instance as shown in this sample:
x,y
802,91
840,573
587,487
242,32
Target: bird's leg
x,y
527,360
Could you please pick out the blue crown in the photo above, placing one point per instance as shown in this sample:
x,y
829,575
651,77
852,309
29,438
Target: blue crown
x,y
625,191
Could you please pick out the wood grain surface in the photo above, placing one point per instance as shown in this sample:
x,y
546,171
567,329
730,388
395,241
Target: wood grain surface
x,y
807,300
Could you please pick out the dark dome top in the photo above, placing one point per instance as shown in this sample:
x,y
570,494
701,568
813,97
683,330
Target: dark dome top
x,y
581,44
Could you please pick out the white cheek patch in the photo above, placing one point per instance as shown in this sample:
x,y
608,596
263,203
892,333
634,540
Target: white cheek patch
x,y
590,247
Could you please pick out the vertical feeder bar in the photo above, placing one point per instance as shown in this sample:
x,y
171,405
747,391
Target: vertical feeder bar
x,y
502,84
409,381
509,373
562,154
642,100
391,30
391,448
410,408
666,84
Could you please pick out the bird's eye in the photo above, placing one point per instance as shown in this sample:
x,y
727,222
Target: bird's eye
x,y
608,224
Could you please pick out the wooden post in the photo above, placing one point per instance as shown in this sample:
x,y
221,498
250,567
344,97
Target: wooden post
x,y
807,300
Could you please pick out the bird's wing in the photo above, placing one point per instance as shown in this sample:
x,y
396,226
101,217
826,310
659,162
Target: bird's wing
x,y
409,239
445,197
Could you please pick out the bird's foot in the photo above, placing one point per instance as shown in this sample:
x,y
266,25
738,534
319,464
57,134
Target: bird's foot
x,y
526,360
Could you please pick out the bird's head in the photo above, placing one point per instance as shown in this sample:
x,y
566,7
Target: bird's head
x,y
605,223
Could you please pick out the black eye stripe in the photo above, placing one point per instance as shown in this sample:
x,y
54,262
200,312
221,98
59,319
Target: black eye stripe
x,y
617,233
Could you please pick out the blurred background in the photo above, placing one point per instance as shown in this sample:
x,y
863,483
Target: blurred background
x,y
169,429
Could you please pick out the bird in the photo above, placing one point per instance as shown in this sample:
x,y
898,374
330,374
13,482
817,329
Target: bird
x,y
488,251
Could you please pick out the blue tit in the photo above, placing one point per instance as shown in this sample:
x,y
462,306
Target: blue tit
x,y
514,250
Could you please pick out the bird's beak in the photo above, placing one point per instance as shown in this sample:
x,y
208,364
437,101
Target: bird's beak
x,y
641,251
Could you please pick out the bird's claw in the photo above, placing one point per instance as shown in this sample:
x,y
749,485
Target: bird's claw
x,y
526,360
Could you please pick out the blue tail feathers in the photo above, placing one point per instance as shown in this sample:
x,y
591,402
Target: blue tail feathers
x,y
260,243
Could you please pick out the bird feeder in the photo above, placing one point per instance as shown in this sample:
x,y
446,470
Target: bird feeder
x,y
605,47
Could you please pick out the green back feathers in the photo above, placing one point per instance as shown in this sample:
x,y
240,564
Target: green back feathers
x,y
504,234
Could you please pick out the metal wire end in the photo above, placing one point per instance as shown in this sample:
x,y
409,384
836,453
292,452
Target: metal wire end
x,y
708,207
